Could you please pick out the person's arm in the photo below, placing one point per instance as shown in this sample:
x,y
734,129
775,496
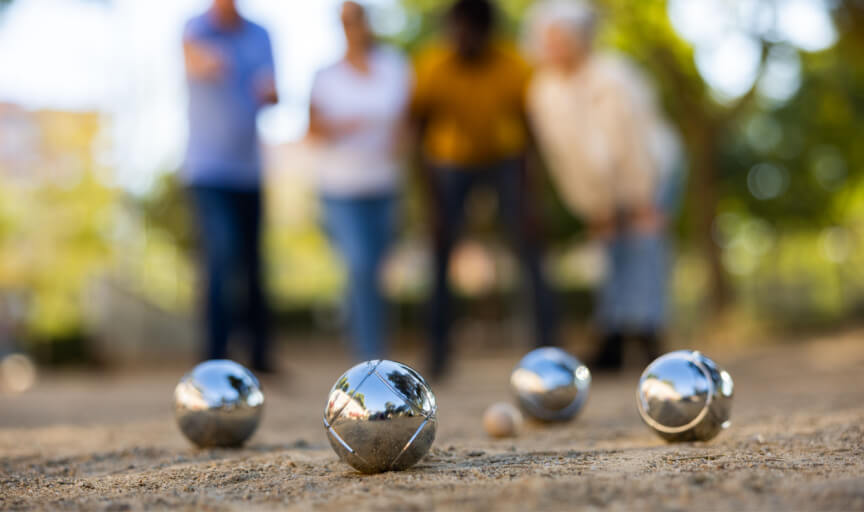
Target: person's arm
x,y
265,78
324,129
635,168
266,90
317,127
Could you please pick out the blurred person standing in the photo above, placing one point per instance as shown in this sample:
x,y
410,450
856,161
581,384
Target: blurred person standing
x,y
469,107
357,109
230,76
616,163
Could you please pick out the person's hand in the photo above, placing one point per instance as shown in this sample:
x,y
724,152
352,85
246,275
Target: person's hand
x,y
348,126
648,219
325,130
601,228
203,61
265,89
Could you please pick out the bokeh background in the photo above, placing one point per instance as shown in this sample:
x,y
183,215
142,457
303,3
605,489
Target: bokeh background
x,y
96,251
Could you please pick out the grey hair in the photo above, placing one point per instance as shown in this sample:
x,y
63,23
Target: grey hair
x,y
576,16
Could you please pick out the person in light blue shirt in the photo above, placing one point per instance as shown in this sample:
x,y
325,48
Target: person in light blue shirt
x,y
230,76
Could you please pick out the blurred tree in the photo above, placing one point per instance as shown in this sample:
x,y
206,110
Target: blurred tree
x,y
166,207
56,217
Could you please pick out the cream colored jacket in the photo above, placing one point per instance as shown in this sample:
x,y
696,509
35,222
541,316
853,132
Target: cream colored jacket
x,y
601,135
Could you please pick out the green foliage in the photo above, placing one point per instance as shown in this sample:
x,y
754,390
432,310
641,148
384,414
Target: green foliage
x,y
51,251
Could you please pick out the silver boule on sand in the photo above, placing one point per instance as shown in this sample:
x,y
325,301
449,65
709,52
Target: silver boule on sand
x,y
550,384
685,396
218,404
381,416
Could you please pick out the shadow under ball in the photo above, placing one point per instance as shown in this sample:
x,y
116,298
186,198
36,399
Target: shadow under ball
x,y
381,416
550,384
218,404
685,396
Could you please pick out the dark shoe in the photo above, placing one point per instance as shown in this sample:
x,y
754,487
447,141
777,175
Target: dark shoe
x,y
610,357
437,371
650,345
273,379
265,368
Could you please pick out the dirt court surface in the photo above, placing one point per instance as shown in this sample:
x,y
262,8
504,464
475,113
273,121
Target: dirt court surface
x,y
108,442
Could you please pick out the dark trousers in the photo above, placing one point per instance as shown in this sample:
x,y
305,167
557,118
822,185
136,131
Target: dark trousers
x,y
229,230
453,187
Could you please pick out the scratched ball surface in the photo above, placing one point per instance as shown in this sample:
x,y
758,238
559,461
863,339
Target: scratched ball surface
x,y
502,420
218,404
685,396
550,384
381,416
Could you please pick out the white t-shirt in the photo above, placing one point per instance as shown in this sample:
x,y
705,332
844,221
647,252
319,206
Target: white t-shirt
x,y
363,162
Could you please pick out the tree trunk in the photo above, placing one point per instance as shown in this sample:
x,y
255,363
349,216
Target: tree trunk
x,y
704,195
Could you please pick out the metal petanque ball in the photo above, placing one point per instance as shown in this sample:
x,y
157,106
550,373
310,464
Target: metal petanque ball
x,y
218,403
381,416
550,384
685,396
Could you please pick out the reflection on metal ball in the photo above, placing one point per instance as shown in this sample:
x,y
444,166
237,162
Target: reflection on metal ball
x,y
381,416
685,396
550,384
218,403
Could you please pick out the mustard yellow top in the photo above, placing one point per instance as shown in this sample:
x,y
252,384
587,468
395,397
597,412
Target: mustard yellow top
x,y
474,111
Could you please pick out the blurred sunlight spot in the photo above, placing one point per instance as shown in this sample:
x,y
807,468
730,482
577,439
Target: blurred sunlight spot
x,y
699,21
726,227
767,181
17,373
745,242
726,34
782,75
739,261
836,244
806,24
763,133
757,16
730,65
757,236
828,167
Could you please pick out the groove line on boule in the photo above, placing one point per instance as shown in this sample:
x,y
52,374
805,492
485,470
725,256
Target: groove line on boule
x,y
410,442
399,394
354,392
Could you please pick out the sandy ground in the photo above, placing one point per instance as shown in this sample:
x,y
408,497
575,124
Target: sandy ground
x,y
108,442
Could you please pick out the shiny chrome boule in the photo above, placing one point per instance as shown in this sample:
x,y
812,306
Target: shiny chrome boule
x,y
381,416
685,396
550,384
218,403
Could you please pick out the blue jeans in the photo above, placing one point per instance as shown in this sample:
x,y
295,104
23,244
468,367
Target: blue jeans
x,y
632,298
453,187
362,229
229,229
634,295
